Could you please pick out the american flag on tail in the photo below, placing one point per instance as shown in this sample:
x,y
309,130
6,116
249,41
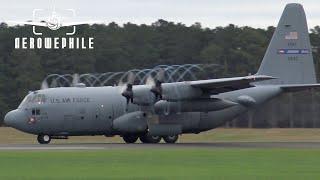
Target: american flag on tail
x,y
291,35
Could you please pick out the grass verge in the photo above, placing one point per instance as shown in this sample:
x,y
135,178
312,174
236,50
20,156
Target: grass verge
x,y
162,164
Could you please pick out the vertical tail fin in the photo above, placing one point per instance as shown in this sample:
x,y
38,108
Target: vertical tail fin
x,y
289,55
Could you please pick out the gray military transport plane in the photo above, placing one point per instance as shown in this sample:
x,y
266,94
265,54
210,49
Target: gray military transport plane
x,y
166,110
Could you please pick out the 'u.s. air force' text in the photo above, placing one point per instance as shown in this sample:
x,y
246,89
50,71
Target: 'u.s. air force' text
x,y
70,100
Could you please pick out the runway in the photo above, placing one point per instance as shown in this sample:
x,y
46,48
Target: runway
x,y
110,146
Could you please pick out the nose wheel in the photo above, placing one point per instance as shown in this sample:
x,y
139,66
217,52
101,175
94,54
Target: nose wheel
x,y
44,139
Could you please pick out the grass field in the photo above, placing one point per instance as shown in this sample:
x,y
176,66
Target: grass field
x,y
168,163
162,164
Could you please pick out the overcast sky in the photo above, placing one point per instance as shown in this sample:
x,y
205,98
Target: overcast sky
x,y
210,13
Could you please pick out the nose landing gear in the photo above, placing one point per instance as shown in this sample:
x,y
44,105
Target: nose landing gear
x,y
44,139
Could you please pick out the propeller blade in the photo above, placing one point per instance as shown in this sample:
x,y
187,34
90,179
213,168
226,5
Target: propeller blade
x,y
150,81
44,85
160,75
75,79
126,89
54,83
131,78
157,85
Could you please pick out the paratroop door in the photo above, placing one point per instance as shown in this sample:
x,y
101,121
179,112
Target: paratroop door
x,y
104,116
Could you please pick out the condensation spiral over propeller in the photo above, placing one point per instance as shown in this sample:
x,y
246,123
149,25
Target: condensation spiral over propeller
x,y
173,73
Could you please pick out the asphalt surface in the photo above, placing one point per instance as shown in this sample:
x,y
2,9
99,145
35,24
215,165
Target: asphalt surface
x,y
109,146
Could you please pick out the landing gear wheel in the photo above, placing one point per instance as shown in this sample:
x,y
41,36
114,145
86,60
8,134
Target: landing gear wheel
x,y
130,138
150,139
44,139
171,139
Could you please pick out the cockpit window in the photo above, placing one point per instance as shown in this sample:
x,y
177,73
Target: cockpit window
x,y
37,98
33,98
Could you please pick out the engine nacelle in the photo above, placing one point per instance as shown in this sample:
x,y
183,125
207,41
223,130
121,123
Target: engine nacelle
x,y
133,122
143,96
180,91
200,105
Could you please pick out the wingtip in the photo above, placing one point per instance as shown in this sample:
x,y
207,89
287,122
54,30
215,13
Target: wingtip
x,y
270,77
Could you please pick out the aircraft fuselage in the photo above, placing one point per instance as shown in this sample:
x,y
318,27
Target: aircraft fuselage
x,y
92,111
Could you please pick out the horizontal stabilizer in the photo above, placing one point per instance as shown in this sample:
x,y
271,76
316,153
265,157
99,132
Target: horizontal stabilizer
x,y
298,87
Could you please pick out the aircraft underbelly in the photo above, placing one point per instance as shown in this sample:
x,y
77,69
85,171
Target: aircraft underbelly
x,y
189,122
215,119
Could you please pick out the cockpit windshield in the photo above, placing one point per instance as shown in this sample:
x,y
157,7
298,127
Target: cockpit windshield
x,y
33,98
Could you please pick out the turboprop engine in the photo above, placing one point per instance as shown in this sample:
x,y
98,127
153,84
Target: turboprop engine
x,y
155,90
199,105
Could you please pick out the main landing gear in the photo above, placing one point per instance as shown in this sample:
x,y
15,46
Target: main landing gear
x,y
150,139
132,138
171,139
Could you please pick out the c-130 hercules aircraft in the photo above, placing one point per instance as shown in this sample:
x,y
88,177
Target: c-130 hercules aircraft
x,y
167,110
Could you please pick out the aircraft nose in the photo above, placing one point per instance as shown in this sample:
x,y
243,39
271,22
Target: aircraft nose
x,y
12,118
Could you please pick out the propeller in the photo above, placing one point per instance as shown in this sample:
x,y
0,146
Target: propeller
x,y
156,84
157,90
44,85
54,83
126,91
75,79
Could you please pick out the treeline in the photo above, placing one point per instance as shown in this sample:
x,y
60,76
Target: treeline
x,y
237,50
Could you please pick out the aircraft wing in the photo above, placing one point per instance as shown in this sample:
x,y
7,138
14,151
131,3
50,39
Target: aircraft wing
x,y
44,24
229,84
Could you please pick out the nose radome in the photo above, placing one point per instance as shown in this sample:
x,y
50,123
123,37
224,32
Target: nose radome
x,y
7,118
11,119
